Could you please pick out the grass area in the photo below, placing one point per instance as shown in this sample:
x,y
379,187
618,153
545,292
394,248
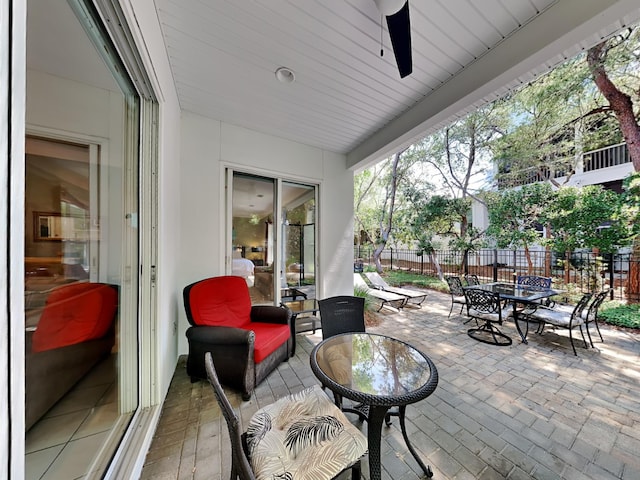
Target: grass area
x,y
398,278
611,312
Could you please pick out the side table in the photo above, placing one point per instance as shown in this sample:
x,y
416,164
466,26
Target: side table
x,y
308,308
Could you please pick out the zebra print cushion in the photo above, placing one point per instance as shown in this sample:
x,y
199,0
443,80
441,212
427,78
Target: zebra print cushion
x,y
302,436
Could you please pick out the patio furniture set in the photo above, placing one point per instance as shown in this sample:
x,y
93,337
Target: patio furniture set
x,y
238,345
527,301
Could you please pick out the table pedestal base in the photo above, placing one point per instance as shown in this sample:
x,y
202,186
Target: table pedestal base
x,y
374,431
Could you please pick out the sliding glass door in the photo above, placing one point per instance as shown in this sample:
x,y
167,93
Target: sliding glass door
x,y
81,242
299,237
272,236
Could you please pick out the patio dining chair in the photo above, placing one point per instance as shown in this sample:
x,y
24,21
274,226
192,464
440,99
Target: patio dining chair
x,y
590,313
488,310
457,293
471,279
537,281
287,438
562,318
534,281
341,314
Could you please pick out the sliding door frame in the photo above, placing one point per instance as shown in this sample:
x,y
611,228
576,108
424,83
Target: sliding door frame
x,y
278,219
13,34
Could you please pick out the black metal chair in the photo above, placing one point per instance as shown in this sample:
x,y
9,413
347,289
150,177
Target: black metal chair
x,y
305,433
341,314
487,309
592,313
534,281
471,279
537,282
562,318
457,293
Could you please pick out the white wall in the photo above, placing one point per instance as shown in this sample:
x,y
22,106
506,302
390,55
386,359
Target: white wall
x,y
208,147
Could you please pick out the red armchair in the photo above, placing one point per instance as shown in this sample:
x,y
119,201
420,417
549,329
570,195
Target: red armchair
x,y
246,342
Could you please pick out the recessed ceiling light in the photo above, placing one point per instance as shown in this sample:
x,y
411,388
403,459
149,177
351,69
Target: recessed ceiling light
x,y
285,75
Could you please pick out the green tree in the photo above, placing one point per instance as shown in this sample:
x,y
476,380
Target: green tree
x,y
458,158
376,200
553,120
365,214
622,92
582,218
514,215
589,102
614,65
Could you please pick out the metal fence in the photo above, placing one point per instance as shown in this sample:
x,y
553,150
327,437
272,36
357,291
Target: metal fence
x,y
579,271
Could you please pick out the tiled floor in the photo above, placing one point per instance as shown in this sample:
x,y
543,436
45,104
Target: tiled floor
x,y
64,442
518,412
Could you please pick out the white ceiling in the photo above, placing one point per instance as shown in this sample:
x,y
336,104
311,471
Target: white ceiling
x,y
346,98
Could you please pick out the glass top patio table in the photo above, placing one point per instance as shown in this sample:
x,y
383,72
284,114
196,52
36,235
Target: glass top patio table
x,y
380,372
519,293
528,294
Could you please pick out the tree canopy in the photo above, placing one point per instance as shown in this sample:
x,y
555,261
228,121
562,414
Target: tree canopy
x,y
535,135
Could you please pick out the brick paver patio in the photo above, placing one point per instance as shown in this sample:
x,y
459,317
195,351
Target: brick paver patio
x,y
518,412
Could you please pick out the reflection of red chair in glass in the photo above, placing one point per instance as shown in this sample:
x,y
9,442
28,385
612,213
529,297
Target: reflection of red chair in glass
x,y
247,342
74,332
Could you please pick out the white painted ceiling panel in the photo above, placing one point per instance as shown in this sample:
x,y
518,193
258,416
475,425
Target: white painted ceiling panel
x,y
346,98
224,55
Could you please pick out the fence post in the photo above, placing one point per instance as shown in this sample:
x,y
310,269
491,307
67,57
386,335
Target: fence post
x,y
391,257
495,265
422,264
611,276
465,259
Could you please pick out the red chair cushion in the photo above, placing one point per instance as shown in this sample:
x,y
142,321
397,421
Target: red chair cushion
x,y
221,301
269,336
76,319
65,291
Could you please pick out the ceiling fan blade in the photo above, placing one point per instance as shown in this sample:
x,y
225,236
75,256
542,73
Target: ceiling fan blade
x,y
400,33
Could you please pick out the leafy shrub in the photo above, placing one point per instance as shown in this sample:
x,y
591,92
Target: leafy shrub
x,y
362,292
616,313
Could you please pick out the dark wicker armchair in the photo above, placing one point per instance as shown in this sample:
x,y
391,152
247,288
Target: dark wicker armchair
x,y
247,342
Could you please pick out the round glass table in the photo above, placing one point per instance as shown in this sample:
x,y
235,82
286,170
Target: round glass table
x,y
379,372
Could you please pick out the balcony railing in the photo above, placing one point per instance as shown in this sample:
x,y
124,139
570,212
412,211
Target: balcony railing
x,y
606,157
